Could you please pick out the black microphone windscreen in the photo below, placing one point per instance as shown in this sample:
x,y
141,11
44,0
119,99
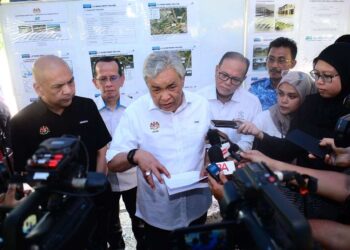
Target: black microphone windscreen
x,y
215,154
213,137
234,147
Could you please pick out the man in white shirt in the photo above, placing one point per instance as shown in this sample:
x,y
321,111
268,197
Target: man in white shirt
x,y
109,78
164,134
229,100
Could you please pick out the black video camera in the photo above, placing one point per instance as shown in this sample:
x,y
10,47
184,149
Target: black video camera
x,y
256,216
61,213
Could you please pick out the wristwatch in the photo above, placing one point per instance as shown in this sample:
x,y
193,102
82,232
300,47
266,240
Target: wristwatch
x,y
130,156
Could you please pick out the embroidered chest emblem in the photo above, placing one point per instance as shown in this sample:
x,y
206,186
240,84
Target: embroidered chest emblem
x,y
44,130
154,126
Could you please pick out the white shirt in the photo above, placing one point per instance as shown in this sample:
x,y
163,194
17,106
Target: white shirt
x,y
263,121
121,181
243,105
177,140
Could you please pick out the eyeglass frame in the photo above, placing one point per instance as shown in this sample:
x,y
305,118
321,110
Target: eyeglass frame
x,y
105,79
236,81
279,60
316,77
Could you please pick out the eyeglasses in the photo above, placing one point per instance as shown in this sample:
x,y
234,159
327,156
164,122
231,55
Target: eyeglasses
x,y
325,77
105,79
233,80
279,60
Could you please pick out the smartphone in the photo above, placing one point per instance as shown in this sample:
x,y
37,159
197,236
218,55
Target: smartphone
x,y
225,124
307,142
214,170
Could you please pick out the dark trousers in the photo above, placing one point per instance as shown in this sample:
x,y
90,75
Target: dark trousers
x,y
159,239
115,238
103,213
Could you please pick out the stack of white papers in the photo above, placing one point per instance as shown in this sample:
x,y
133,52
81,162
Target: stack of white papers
x,y
183,182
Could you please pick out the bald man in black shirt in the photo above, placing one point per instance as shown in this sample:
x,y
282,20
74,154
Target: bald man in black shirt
x,y
57,112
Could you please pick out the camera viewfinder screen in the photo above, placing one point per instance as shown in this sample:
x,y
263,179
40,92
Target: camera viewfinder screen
x,y
212,239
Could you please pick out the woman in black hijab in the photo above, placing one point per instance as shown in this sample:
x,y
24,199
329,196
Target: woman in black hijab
x,y
317,117
320,112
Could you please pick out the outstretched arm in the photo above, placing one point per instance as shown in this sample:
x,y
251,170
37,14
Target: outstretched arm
x,y
326,179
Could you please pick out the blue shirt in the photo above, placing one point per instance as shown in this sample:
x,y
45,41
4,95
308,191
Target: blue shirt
x,y
266,93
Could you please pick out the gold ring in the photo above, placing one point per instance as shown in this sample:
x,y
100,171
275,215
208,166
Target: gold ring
x,y
148,173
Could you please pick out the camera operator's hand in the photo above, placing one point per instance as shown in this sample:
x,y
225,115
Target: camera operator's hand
x,y
249,128
150,166
8,199
339,157
217,188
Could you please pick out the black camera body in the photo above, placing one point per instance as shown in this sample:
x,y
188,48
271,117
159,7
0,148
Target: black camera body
x,y
254,199
62,212
256,215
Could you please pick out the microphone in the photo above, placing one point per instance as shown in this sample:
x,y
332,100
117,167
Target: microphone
x,y
213,137
228,148
233,149
215,154
216,157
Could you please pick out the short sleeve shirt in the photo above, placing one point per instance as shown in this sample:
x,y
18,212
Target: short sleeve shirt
x,y
36,123
266,93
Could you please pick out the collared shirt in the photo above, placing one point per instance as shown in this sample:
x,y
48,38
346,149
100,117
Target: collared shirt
x,y
263,122
121,181
243,106
266,93
177,140
36,123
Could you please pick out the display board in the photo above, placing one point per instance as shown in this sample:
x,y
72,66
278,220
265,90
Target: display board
x,y
312,24
81,31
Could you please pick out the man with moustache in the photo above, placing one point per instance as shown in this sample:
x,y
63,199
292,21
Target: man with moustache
x,y
59,112
281,56
164,135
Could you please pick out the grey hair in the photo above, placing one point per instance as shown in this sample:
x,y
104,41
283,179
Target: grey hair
x,y
157,62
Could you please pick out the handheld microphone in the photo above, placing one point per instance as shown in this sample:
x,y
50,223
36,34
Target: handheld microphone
x,y
228,148
213,137
216,157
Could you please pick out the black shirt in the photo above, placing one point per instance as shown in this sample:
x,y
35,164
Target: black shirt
x,y
36,123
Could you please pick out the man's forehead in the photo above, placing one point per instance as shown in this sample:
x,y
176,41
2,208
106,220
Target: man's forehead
x,y
58,76
233,65
102,64
280,51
